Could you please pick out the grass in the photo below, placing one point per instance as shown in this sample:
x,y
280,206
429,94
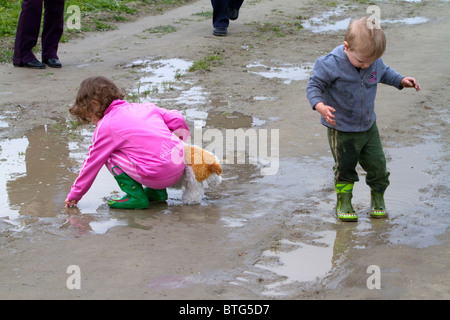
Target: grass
x,y
96,16
67,128
161,30
205,63
279,29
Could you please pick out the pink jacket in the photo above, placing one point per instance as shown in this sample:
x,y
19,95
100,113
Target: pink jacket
x,y
143,132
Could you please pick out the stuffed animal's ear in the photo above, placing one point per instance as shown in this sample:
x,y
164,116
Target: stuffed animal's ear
x,y
215,168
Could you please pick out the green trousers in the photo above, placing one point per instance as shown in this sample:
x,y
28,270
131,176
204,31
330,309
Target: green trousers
x,y
349,148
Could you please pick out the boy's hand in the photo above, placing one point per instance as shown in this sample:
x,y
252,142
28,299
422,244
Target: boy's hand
x,y
409,82
70,203
326,112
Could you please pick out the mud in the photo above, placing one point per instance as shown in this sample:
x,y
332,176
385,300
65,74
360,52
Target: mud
x,y
268,231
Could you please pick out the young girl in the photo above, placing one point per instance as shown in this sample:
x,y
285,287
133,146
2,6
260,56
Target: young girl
x,y
342,89
135,141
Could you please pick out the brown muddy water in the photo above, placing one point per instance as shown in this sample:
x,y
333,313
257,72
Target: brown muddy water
x,y
260,189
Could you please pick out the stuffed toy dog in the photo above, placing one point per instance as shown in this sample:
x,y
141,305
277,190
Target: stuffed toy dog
x,y
202,170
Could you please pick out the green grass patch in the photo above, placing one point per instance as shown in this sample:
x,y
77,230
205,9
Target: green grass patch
x,y
206,63
279,29
161,30
204,14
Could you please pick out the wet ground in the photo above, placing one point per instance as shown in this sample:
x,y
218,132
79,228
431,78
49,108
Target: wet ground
x,y
268,231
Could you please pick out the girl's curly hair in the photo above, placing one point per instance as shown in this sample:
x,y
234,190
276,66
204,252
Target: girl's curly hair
x,y
99,89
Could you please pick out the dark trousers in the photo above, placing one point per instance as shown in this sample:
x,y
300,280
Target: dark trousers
x,y
28,29
349,148
220,11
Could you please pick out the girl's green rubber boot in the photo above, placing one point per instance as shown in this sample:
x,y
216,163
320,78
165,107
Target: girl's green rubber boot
x,y
135,197
156,195
377,206
344,208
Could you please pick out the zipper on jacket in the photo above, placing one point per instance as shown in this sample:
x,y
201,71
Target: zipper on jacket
x,y
361,104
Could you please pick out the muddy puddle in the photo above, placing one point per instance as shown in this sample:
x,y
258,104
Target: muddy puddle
x,y
38,169
330,21
296,193
286,72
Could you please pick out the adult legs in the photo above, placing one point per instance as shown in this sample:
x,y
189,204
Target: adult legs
x,y
220,13
233,8
53,28
27,31
223,11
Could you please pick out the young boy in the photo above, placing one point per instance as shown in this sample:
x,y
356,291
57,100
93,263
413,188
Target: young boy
x,y
342,89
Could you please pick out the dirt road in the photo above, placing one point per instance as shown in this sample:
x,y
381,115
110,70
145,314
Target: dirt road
x,y
268,232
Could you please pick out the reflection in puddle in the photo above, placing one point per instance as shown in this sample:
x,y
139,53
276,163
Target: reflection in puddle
x,y
3,124
318,26
163,77
305,262
415,20
90,223
418,199
221,120
192,96
12,158
287,72
323,24
290,263
159,74
103,226
41,188
38,170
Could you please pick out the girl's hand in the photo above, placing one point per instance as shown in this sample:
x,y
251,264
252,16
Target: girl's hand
x,y
326,112
70,203
409,82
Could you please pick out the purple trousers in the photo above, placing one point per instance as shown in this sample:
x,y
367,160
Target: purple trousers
x,y
28,29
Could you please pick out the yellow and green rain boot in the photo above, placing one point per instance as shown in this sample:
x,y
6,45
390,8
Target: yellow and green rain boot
x,y
344,208
377,206
135,197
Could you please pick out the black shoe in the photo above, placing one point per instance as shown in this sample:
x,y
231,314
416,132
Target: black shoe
x,y
54,63
35,64
233,14
220,31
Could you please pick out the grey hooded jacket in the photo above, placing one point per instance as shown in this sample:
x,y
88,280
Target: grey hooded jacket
x,y
351,92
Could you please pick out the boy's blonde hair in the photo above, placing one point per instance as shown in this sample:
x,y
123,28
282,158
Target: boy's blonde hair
x,y
366,37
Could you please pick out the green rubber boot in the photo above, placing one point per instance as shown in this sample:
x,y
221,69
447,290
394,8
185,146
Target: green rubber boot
x,y
155,195
377,206
344,208
135,197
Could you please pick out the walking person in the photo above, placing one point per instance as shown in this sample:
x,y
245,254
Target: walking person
x,y
28,32
343,89
223,12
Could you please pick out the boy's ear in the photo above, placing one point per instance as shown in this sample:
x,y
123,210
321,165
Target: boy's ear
x,y
346,45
